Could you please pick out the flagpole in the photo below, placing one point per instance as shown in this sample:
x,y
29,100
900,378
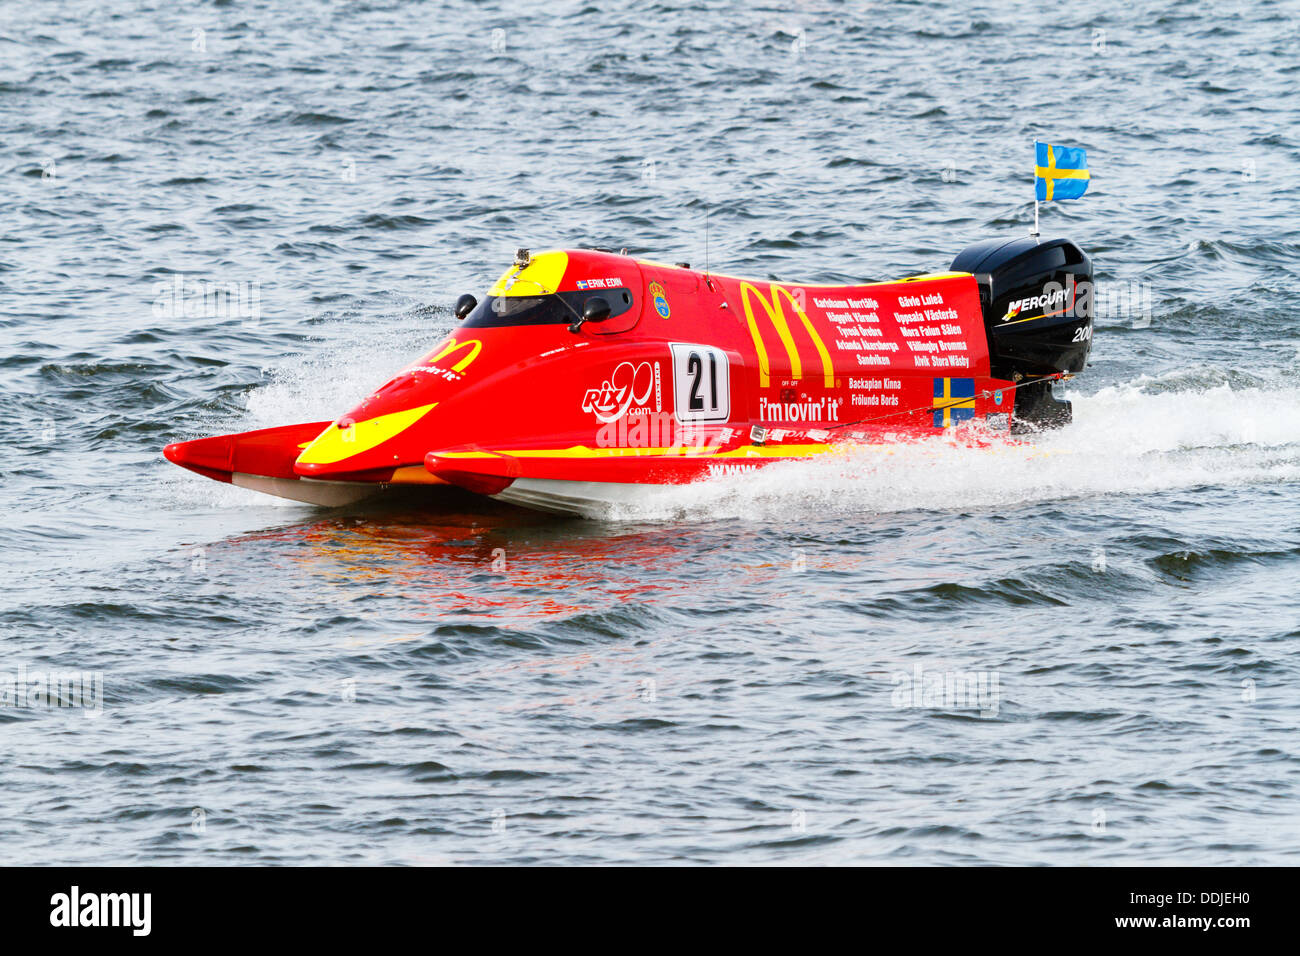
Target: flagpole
x,y
1034,232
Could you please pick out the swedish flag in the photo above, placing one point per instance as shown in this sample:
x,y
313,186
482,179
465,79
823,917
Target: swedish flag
x,y
1060,172
954,401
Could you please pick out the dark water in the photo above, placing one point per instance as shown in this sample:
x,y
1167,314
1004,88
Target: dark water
x,y
725,677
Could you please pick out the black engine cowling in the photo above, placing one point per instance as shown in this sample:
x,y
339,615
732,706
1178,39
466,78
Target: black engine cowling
x,y
1037,302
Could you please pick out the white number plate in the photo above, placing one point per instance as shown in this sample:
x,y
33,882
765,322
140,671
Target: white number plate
x,y
701,383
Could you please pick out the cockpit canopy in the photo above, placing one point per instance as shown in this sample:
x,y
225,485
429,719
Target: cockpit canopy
x,y
555,308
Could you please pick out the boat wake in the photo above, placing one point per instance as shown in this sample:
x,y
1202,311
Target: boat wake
x,y
1154,435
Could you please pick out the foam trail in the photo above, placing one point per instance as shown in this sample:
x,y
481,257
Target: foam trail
x,y
1125,440
325,386
317,386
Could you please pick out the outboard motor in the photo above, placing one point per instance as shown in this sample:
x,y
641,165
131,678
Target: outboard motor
x,y
1037,302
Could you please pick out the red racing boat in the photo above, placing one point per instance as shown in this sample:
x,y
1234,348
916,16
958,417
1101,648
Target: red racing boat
x,y
583,377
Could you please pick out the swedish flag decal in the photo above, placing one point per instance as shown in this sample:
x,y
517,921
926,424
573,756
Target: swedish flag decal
x,y
954,401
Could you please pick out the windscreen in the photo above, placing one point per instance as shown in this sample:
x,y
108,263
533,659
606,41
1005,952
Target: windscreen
x,y
560,308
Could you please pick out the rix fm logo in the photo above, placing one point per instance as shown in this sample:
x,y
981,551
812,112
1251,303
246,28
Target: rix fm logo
x,y
629,385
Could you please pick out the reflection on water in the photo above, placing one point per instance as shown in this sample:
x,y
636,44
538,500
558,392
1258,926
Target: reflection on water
x,y
497,565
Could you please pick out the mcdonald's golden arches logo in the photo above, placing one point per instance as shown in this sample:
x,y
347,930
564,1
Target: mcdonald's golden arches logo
x,y
776,315
451,347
